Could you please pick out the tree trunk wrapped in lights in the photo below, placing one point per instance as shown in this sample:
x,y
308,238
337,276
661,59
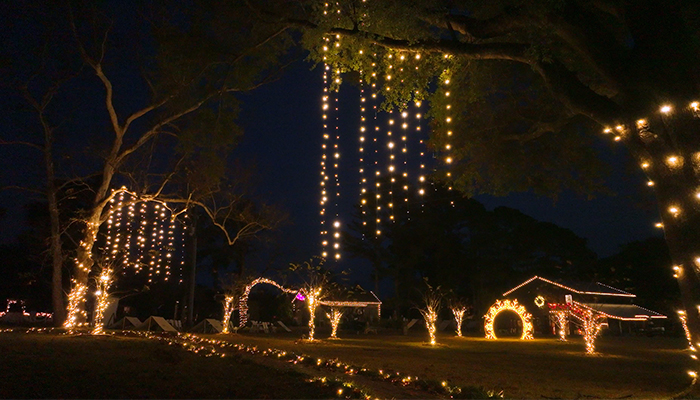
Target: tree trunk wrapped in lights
x,y
458,313
561,323
76,306
229,306
335,315
432,300
592,325
313,297
103,283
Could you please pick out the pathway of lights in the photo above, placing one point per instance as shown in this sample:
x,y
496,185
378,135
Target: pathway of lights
x,y
335,315
229,306
207,347
102,284
503,305
458,313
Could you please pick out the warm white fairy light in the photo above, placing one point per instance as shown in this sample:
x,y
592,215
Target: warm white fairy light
x,y
229,306
512,305
430,317
335,315
448,128
102,285
313,297
76,299
361,150
336,167
458,313
674,210
684,322
561,323
666,109
592,325
243,301
324,158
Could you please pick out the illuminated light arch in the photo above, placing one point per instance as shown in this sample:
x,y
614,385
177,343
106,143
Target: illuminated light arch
x,y
503,305
243,302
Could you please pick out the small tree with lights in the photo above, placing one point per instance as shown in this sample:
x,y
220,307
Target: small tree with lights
x,y
432,301
459,309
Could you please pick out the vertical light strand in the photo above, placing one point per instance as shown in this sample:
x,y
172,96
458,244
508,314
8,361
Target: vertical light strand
x,y
375,150
129,234
153,236
336,162
141,235
159,246
448,131
110,230
391,166
324,156
362,143
170,247
405,174
422,150
183,253
116,238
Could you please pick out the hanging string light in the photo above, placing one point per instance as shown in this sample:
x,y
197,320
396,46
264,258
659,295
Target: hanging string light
x,y
324,157
361,150
336,165
376,150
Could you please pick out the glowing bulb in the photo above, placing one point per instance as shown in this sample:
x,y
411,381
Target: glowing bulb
x,y
674,210
607,130
645,165
659,225
666,109
650,183
617,138
695,106
673,160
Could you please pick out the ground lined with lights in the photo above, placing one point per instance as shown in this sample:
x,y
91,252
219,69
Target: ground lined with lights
x,y
653,367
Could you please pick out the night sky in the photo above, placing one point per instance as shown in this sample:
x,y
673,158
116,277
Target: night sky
x,y
282,124
283,133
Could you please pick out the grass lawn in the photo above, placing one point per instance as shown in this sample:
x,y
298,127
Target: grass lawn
x,y
62,366
638,367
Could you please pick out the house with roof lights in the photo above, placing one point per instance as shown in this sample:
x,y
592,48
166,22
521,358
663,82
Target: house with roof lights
x,y
540,296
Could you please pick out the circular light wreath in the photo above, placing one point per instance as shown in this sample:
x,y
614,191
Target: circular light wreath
x,y
539,301
502,305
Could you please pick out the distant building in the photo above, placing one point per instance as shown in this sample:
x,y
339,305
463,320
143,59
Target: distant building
x,y
540,296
